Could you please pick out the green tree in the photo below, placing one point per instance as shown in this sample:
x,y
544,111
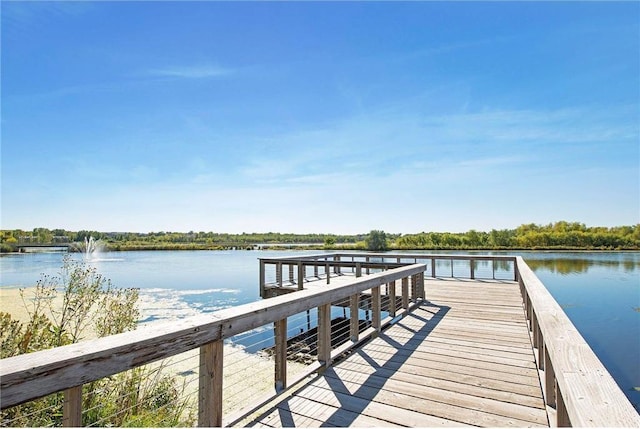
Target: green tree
x,y
329,242
376,241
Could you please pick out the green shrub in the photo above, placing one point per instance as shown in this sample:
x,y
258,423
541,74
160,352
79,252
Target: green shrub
x,y
65,309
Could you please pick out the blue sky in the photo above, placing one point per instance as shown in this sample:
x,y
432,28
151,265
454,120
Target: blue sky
x,y
321,117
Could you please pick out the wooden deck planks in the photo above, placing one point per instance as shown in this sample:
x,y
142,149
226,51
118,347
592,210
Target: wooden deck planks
x,y
462,358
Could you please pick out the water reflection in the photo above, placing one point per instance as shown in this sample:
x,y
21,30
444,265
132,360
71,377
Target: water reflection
x,y
566,266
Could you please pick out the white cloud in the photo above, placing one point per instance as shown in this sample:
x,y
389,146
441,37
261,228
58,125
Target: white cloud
x,y
191,72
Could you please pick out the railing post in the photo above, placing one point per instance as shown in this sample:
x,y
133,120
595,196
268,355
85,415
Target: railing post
x,y
301,272
327,269
414,287
405,293
472,268
210,397
290,273
376,317
562,417
367,259
336,269
315,268
354,322
279,274
541,348
392,298
72,407
324,334
280,328
433,267
549,380
262,279
534,329
358,269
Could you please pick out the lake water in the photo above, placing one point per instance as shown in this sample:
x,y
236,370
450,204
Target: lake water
x,y
599,291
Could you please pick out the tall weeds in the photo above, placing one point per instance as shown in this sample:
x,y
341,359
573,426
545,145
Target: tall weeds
x,y
65,309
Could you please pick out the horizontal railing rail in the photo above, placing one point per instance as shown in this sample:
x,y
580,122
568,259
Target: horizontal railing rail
x,y
328,265
577,387
31,376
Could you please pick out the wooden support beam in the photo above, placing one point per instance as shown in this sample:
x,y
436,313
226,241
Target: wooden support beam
x,y
405,293
472,268
541,349
414,287
280,328
433,267
354,321
376,317
279,274
562,417
262,279
210,388
291,274
301,272
392,298
534,329
72,407
324,334
549,380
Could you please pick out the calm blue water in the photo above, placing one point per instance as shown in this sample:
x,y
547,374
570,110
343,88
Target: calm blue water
x,y
599,291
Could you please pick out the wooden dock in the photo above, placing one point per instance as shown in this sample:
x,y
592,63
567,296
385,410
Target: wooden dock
x,y
464,357
452,340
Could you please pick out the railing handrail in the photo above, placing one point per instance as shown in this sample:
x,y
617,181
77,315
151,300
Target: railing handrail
x,y
34,375
439,256
577,383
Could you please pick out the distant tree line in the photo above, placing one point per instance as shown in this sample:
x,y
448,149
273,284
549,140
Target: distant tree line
x,y
558,235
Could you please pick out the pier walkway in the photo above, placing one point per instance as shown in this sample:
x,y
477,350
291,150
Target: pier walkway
x,y
462,357
391,340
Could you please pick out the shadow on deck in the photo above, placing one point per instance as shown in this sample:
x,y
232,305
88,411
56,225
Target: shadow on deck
x,y
463,357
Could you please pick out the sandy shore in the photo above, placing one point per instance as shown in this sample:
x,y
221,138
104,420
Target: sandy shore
x,y
12,302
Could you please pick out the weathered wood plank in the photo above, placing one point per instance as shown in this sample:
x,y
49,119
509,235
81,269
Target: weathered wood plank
x,y
403,402
447,369
424,391
379,410
410,372
381,377
470,358
40,373
331,416
588,395
402,333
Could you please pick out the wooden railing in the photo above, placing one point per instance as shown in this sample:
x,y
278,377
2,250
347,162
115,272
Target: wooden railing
x,y
577,387
326,266
27,377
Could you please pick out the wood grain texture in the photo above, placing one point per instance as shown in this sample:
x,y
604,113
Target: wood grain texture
x,y
586,395
417,373
37,374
